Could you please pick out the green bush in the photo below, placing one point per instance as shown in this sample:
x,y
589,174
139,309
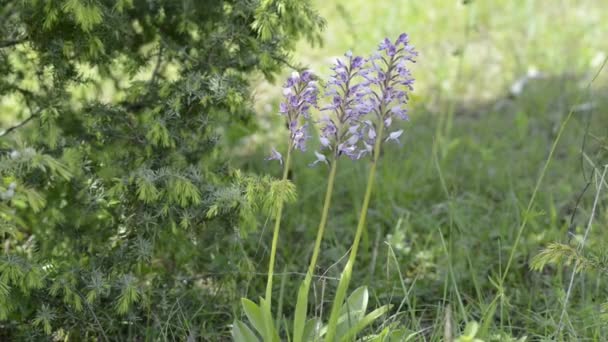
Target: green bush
x,y
116,203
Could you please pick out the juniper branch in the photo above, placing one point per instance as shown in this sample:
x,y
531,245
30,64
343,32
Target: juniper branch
x,y
156,70
21,124
12,42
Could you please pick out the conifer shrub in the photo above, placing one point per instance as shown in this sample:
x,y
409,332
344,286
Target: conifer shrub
x,y
117,208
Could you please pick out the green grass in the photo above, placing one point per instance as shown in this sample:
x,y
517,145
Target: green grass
x,y
448,204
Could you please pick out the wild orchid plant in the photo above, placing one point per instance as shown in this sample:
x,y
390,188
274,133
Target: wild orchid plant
x,y
300,93
365,97
339,134
388,81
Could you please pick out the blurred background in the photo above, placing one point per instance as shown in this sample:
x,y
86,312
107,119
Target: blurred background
x,y
472,51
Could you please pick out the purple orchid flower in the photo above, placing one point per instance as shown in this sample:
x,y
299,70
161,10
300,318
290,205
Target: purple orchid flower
x,y
390,80
275,155
366,93
300,93
340,129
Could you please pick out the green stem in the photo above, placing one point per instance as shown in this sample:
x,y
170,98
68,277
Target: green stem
x,y
321,229
348,269
275,235
302,303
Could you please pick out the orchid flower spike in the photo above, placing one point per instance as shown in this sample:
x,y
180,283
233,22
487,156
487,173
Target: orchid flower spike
x,y
300,93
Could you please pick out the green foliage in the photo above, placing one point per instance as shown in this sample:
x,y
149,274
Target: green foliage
x,y
280,193
242,333
116,201
562,254
44,317
352,322
354,319
469,333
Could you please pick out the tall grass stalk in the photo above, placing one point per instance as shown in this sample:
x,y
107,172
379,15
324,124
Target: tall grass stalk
x,y
348,268
580,248
277,228
528,211
302,302
445,119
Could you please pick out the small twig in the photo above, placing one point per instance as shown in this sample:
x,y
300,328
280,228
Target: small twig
x,y
288,64
22,123
24,92
27,96
579,198
157,67
103,333
447,326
